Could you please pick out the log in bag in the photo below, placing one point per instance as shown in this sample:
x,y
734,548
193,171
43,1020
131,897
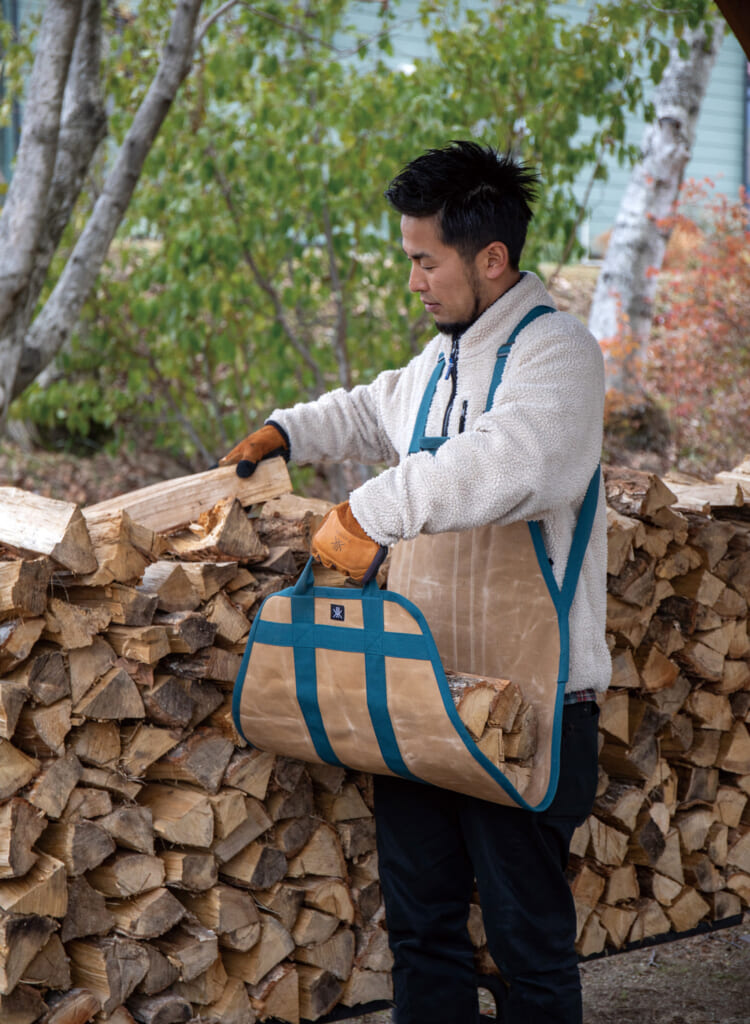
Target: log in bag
x,y
352,677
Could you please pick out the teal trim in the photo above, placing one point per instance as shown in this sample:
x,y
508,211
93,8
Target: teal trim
x,y
581,537
341,638
306,674
504,350
377,693
424,407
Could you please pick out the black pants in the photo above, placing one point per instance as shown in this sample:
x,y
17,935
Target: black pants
x,y
433,843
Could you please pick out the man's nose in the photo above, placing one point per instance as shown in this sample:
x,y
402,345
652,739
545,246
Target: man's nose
x,y
416,279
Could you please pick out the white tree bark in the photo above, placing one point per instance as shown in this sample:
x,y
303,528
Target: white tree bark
x,y
59,156
622,307
23,213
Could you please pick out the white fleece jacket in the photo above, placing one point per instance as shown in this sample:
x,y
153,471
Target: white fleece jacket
x,y
530,457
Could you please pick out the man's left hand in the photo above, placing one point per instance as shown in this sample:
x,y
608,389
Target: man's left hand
x,y
340,543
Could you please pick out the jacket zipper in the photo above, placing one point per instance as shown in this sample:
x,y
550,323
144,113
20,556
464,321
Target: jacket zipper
x,y
462,420
451,372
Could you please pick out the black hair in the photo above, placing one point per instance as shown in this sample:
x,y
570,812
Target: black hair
x,y
478,194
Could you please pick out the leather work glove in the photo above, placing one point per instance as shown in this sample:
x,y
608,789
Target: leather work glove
x,y
261,444
341,543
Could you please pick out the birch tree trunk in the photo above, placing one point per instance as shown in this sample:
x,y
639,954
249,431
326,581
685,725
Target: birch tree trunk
x,y
64,122
622,306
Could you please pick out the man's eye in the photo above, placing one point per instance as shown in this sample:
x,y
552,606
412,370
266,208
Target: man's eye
x,y
423,267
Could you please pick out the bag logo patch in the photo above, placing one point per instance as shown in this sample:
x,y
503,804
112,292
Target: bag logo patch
x,y
337,612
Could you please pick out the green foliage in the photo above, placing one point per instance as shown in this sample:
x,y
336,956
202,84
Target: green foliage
x,y
258,264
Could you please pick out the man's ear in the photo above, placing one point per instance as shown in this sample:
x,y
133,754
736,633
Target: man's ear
x,y
495,260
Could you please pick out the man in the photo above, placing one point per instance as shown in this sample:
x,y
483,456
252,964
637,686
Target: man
x,y
474,448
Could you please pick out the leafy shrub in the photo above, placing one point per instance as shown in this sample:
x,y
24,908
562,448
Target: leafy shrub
x,y
699,357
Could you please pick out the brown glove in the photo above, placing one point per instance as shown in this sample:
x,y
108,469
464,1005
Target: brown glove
x,y
261,444
341,543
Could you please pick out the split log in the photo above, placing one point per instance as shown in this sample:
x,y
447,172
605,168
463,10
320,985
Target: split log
x,y
21,824
190,947
148,915
127,874
110,968
21,938
181,816
222,531
275,943
163,507
46,526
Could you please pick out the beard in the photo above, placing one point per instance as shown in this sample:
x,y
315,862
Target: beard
x,y
455,328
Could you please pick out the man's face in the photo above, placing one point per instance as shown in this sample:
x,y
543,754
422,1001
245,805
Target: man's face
x,y
449,286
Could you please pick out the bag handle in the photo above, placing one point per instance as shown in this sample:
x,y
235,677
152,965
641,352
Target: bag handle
x,y
306,584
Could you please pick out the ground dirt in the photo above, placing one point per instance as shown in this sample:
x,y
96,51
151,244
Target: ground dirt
x,y
701,980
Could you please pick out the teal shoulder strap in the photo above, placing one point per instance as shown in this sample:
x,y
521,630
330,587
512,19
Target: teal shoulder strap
x,y
419,440
503,351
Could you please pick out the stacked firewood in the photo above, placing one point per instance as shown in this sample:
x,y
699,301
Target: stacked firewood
x,y
154,868
668,845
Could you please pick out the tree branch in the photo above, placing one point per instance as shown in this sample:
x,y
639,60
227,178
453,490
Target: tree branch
x,y
55,323
265,285
23,213
84,125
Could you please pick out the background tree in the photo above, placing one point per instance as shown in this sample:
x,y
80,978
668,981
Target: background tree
x,y
256,263
622,308
63,124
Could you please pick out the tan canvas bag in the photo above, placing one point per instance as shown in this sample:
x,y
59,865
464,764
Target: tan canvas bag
x,y
354,676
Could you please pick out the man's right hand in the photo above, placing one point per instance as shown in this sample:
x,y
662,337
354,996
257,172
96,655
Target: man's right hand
x,y
261,444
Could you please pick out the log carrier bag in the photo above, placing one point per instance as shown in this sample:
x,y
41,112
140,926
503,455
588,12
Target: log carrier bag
x,y
353,676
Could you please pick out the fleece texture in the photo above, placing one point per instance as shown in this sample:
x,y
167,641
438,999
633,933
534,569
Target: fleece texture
x,y
529,457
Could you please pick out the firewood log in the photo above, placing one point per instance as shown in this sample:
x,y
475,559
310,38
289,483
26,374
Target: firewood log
x,y
21,824
21,938
276,996
43,890
46,526
194,870
110,968
87,913
220,532
256,866
164,506
319,991
229,912
191,947
207,987
200,759
165,1008
74,1007
274,944
181,816
127,874
232,1007
148,915
254,823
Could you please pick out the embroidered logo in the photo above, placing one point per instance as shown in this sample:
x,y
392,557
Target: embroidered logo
x,y
338,542
337,612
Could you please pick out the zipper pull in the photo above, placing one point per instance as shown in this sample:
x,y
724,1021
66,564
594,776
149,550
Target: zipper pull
x,y
462,420
449,371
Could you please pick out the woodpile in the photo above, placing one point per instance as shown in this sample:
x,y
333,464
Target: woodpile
x,y
155,869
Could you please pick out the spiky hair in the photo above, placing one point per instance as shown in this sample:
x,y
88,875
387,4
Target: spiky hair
x,y
478,195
